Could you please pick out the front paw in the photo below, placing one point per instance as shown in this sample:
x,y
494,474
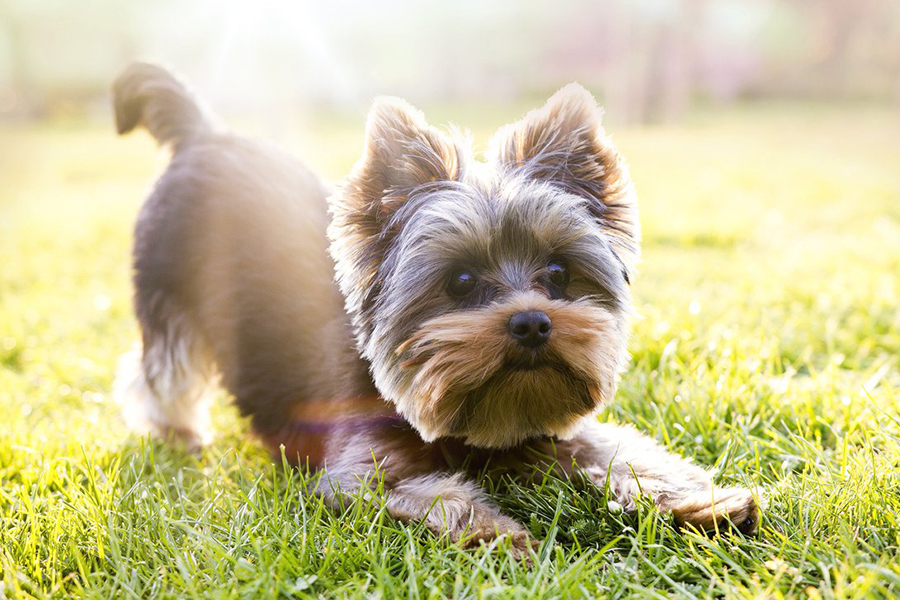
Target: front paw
x,y
487,524
718,510
457,511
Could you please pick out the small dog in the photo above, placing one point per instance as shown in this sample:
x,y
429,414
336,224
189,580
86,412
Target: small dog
x,y
467,311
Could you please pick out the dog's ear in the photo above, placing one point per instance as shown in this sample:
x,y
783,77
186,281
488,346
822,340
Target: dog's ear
x,y
564,144
402,155
402,152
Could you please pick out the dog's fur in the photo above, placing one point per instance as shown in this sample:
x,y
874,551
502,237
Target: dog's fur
x,y
233,277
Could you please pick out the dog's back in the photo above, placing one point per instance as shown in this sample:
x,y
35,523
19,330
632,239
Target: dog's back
x,y
231,273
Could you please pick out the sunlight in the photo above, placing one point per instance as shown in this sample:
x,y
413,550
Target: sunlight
x,y
283,36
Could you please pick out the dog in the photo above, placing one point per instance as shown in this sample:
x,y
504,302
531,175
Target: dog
x,y
431,315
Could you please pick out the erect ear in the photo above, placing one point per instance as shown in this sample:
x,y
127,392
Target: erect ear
x,y
564,144
402,155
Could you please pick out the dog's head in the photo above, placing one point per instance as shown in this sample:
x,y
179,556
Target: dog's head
x,y
491,299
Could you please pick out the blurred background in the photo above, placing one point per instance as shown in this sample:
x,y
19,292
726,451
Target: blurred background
x,y
647,60
762,136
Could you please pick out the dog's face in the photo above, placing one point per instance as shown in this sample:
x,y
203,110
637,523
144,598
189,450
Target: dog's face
x,y
491,299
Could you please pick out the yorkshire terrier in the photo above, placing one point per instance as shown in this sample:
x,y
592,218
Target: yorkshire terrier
x,y
434,313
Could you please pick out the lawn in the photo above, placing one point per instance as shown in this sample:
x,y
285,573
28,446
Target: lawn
x,y
766,346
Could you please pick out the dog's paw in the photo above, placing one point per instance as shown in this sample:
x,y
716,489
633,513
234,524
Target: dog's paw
x,y
719,510
456,510
487,524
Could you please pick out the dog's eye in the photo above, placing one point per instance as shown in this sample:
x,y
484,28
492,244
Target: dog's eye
x,y
559,274
461,283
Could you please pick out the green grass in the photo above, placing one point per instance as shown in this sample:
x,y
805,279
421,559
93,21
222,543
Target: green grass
x,y
766,347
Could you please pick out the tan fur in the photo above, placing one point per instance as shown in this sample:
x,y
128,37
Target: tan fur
x,y
464,351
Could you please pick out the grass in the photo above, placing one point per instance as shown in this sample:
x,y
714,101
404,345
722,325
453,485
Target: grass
x,y
767,348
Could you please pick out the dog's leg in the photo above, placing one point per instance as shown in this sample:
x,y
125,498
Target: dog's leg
x,y
418,490
165,386
633,464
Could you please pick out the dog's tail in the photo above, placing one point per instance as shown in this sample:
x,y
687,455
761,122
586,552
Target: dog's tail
x,y
149,96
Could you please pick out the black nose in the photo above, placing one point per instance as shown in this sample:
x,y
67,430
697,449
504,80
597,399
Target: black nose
x,y
531,329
